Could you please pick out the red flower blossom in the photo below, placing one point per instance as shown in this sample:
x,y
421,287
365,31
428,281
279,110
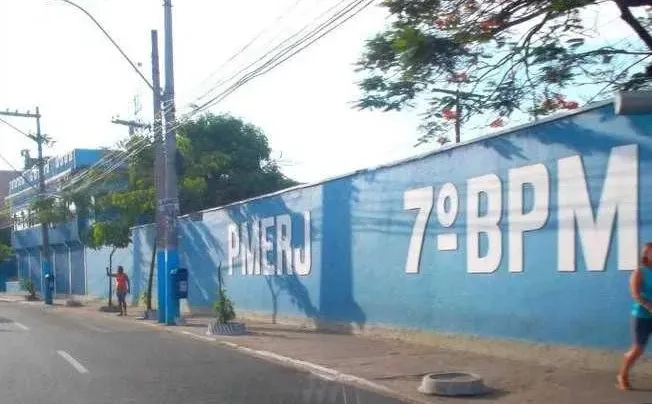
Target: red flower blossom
x,y
459,78
490,24
446,21
449,114
497,123
557,102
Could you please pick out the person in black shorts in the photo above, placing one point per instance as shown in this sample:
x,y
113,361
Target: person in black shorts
x,y
641,289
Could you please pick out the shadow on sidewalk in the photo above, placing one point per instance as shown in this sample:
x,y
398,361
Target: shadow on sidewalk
x,y
263,330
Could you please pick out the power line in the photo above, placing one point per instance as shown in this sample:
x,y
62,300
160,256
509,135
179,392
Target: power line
x,y
277,46
166,107
9,163
124,55
253,40
16,129
20,173
290,50
282,56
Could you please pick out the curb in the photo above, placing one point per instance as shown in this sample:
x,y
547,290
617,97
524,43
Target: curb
x,y
9,300
313,368
317,370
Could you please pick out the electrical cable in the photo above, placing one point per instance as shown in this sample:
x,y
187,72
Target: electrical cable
x,y
284,55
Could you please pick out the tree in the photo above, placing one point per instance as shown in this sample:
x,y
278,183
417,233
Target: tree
x,y
224,160
116,200
122,200
6,251
458,59
221,159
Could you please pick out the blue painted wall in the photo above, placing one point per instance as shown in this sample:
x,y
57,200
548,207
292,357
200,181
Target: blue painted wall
x,y
530,234
61,264
98,260
32,237
34,267
8,272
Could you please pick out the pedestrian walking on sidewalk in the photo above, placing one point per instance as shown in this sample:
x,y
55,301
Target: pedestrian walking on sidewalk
x,y
640,284
122,288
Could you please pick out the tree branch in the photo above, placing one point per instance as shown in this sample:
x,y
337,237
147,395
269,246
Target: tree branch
x,y
526,45
611,83
627,16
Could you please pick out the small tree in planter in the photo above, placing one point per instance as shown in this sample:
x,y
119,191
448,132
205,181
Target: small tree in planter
x,y
28,286
224,313
223,308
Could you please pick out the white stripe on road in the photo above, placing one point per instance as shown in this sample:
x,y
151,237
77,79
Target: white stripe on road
x,y
21,326
78,366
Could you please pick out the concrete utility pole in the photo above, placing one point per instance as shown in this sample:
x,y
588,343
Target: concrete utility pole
x,y
159,178
132,125
170,205
46,267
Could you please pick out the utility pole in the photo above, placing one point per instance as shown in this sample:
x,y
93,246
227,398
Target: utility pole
x,y
46,267
132,125
171,202
159,178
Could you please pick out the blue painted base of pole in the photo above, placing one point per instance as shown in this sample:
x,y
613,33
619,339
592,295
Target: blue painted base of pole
x,y
49,282
161,281
172,306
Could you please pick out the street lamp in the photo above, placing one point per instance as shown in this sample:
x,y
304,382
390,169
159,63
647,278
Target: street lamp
x,y
124,55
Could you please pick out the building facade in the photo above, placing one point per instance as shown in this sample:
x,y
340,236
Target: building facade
x,y
5,178
527,234
66,249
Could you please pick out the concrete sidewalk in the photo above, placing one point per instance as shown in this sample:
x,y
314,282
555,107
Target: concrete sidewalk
x,y
397,367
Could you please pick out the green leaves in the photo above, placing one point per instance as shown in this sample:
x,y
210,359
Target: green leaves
x,y
224,160
5,252
114,233
514,51
52,210
221,158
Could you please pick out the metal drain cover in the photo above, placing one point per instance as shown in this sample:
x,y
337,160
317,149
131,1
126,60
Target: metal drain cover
x,y
452,384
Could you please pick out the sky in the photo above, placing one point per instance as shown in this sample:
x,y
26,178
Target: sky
x,y
54,57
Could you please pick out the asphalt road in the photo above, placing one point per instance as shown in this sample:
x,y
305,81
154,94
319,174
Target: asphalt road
x,y
59,357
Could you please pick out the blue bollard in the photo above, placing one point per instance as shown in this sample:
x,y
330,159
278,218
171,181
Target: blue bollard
x,y
49,282
172,306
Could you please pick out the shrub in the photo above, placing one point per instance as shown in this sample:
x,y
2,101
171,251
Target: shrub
x,y
223,306
28,286
143,298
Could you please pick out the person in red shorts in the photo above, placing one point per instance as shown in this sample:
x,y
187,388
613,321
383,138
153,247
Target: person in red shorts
x,y
122,288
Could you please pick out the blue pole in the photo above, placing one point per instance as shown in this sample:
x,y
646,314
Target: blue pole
x,y
47,275
159,169
161,273
45,234
171,202
172,306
